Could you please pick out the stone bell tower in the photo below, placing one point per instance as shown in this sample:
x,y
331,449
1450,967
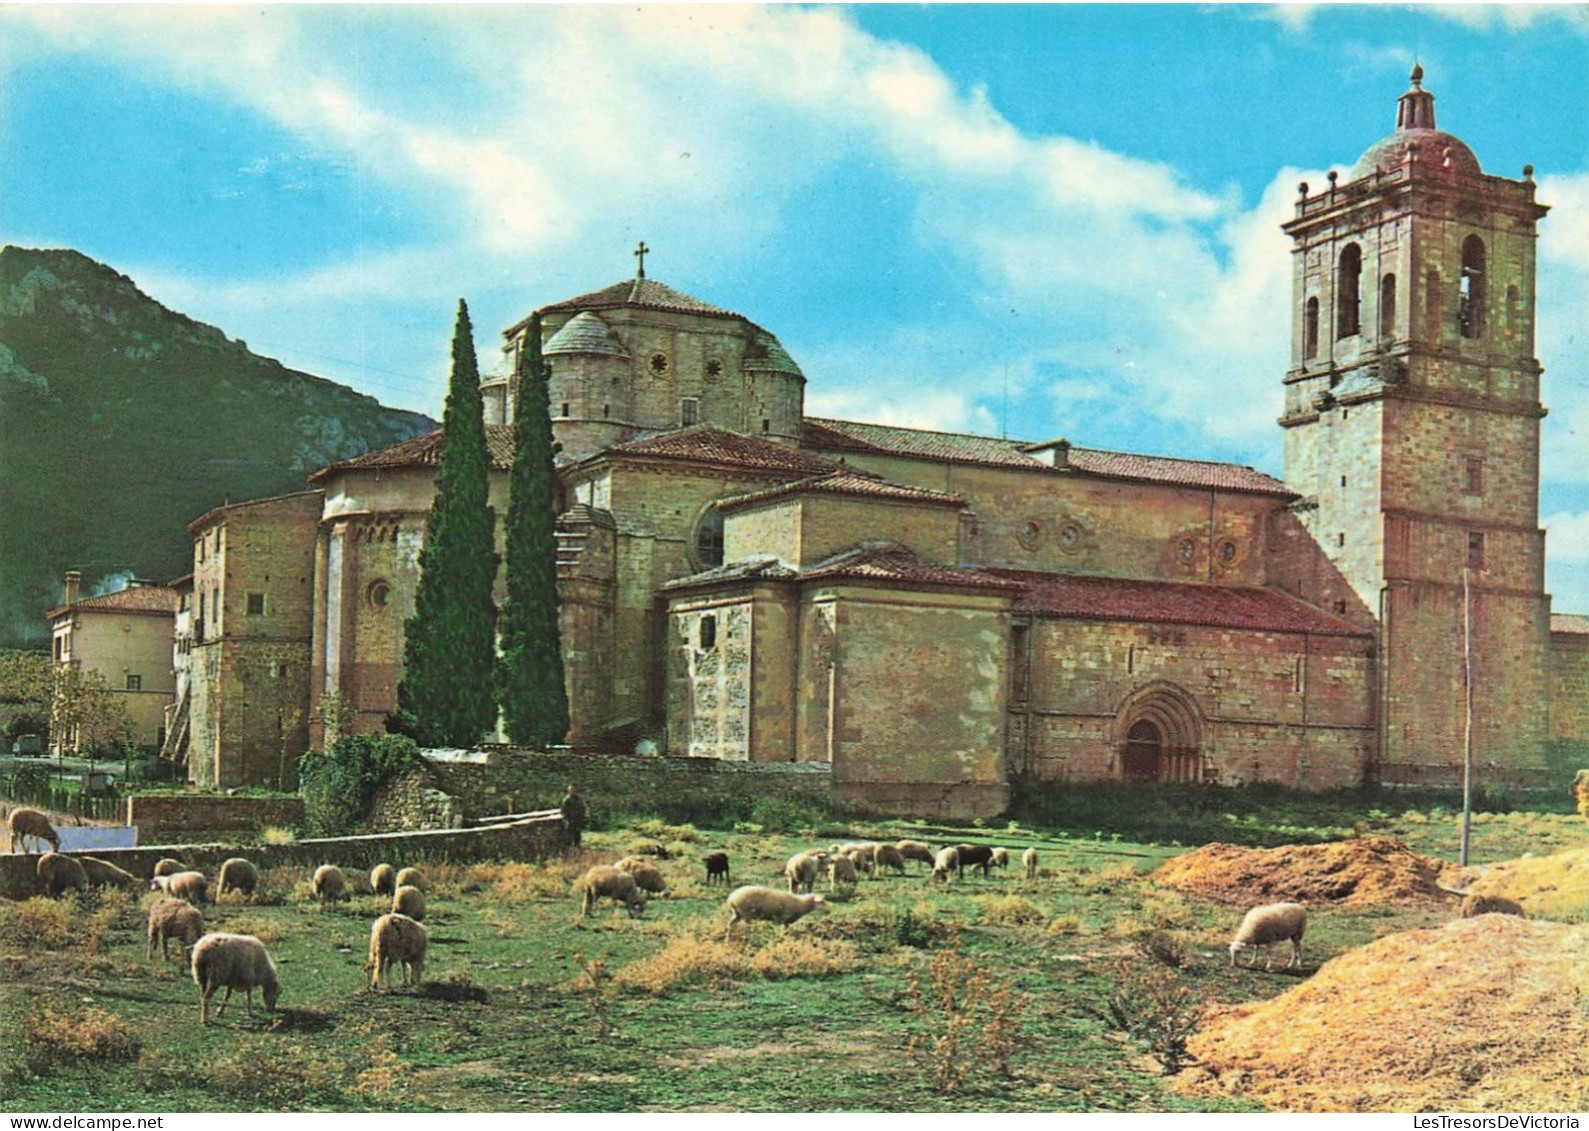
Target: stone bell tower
x,y
1412,415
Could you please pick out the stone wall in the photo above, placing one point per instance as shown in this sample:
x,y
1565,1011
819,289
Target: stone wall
x,y
166,819
1569,685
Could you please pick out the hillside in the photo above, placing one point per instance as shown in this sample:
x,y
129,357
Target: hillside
x,y
122,421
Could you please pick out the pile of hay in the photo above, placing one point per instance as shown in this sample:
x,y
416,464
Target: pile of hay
x,y
1368,871
1551,887
1482,1014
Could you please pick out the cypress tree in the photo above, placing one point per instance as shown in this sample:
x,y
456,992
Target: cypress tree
x,y
530,672
445,697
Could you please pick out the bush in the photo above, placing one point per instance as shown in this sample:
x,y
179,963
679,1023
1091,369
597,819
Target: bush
x,y
51,1036
339,784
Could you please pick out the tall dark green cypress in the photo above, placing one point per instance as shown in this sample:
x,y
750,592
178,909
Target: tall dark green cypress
x,y
530,672
445,697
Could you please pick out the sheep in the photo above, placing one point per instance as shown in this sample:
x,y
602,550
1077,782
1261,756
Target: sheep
x,y
1269,924
102,873
174,919
887,856
237,875
606,882
1489,905
716,868
30,824
841,870
803,868
410,877
1029,864
397,938
1000,858
647,876
383,879
974,856
750,903
916,850
947,860
56,873
410,901
861,857
329,883
166,866
184,885
238,962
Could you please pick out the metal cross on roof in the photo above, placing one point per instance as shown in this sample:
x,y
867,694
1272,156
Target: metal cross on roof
x,y
640,254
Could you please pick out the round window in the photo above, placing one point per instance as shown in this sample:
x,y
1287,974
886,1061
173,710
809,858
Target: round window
x,y
1070,537
379,594
714,369
1028,535
1227,553
1186,550
659,364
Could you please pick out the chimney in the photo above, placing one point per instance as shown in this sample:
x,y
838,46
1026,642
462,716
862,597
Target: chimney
x,y
74,581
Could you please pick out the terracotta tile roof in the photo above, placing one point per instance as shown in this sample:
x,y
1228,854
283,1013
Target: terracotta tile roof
x,y
133,599
1570,623
702,443
753,568
889,561
846,481
634,292
1169,602
424,451
210,516
958,447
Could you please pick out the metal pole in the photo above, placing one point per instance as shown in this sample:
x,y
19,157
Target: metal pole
x,y
1467,722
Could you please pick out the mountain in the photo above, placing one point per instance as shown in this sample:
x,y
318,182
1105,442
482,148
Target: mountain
x,y
122,421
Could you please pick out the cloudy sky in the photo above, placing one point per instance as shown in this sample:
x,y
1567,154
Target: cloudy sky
x,y
1035,220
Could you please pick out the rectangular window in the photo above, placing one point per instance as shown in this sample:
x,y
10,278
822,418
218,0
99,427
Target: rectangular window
x,y
256,604
1475,550
689,409
1342,537
1020,669
134,682
1473,475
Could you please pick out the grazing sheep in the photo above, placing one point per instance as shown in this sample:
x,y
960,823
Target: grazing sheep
x,y
397,938
974,856
102,873
716,868
647,876
1269,924
174,919
861,857
56,873
1029,864
606,882
1000,858
1489,905
330,883
238,962
747,904
946,861
916,850
183,885
410,877
409,901
803,869
383,879
30,824
237,875
649,848
841,870
166,866
887,856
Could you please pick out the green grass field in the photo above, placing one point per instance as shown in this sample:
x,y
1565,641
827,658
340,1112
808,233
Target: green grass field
x,y
1065,993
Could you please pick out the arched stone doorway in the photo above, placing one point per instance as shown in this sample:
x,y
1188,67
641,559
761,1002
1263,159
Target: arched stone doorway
x,y
1158,736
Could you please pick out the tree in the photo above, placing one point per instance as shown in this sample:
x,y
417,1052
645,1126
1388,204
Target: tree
x,y
530,672
86,715
445,697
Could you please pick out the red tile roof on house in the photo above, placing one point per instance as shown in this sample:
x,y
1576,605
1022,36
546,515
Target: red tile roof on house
x,y
227,508
1170,602
702,443
1571,623
889,561
845,481
959,447
423,451
133,599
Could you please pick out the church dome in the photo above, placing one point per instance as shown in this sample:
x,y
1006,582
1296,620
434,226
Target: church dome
x,y
766,353
584,333
1416,136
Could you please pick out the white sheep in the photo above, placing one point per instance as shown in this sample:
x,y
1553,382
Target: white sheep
x,y
174,919
887,856
1029,864
606,882
861,857
409,901
238,962
102,873
237,875
1489,905
397,938
57,873
916,850
750,903
410,877
647,876
30,824
841,870
945,862
803,869
383,879
183,885
166,866
1269,924
1000,858
329,883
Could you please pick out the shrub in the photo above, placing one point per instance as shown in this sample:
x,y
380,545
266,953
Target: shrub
x,y
966,1018
1010,911
51,1035
793,956
38,922
686,960
1153,1005
339,784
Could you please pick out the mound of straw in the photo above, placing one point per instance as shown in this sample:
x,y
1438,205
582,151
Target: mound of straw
x,y
1369,871
1550,887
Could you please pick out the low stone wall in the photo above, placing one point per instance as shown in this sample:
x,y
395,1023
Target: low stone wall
x,y
174,818
530,839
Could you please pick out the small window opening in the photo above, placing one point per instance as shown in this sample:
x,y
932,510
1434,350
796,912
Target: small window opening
x,y
1310,329
1296,675
1473,475
1387,307
134,682
708,632
1131,659
766,425
256,604
1475,550
709,539
1514,307
1342,537
1470,292
1343,481
1020,670
1348,283
606,411
689,409
565,409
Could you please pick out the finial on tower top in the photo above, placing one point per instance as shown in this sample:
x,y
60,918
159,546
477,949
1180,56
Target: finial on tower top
x,y
1416,109
640,255
1417,73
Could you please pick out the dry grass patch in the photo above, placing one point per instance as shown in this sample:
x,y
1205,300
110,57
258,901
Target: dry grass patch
x,y
795,956
685,960
1009,911
50,924
265,930
52,1034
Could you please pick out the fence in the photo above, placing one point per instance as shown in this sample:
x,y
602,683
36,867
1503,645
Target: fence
x,y
90,796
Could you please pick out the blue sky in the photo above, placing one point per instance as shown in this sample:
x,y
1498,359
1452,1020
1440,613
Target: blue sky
x,y
1045,220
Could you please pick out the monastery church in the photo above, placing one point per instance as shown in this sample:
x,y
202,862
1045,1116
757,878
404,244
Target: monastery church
x,y
941,617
